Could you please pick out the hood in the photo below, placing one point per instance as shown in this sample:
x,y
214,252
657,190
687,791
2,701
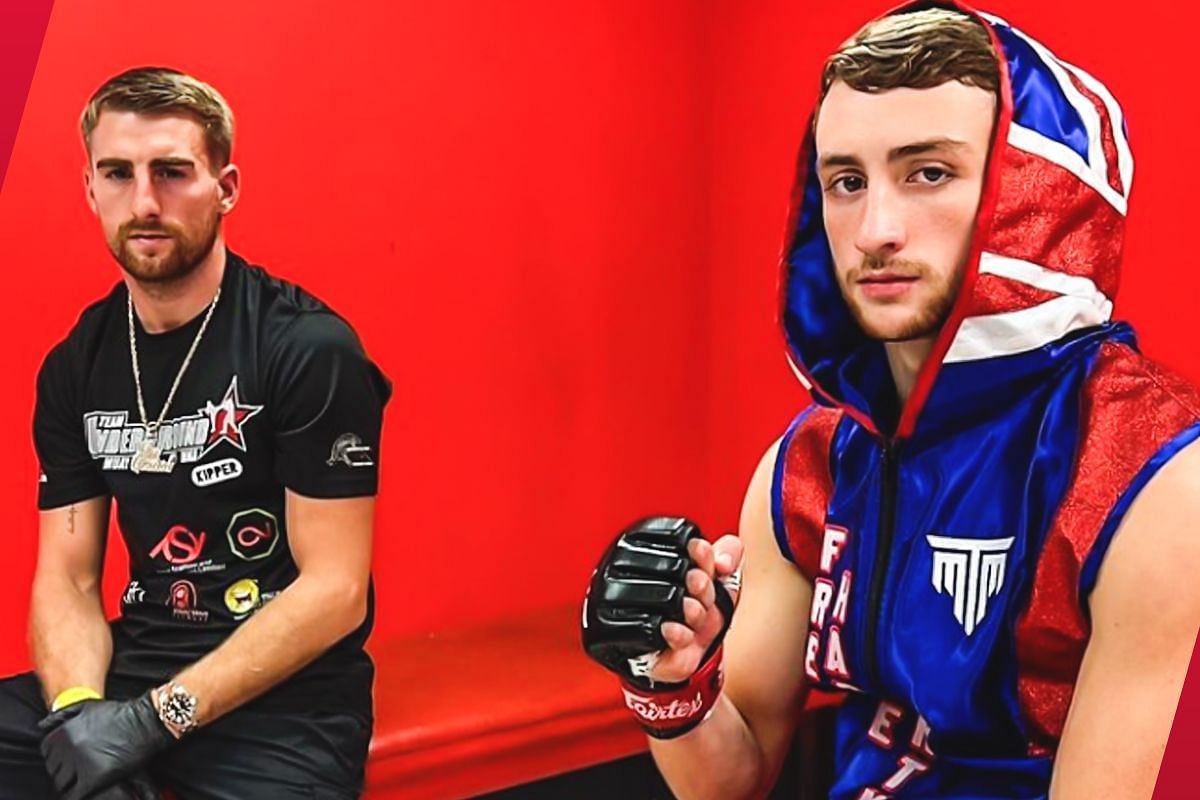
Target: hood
x,y
1043,265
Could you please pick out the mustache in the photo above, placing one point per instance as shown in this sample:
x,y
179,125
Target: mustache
x,y
138,227
899,266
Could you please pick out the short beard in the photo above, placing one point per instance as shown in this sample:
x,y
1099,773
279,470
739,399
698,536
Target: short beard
x,y
188,253
924,322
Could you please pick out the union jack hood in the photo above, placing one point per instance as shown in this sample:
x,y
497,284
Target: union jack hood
x,y
1047,244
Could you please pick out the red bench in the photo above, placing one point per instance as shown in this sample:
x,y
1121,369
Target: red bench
x,y
481,709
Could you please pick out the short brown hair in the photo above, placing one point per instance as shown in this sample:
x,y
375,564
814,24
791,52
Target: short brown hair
x,y
161,90
915,50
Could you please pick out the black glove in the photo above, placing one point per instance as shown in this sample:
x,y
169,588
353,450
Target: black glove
x,y
639,584
91,746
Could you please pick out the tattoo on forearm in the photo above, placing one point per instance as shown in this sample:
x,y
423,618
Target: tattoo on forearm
x,y
71,520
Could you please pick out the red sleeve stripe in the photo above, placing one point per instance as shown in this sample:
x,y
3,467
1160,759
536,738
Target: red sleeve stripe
x,y
804,485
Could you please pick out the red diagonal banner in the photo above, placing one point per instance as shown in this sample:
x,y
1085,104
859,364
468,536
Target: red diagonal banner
x,y
1175,779
22,28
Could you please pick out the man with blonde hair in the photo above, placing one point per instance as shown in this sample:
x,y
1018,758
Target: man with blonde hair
x,y
235,420
957,534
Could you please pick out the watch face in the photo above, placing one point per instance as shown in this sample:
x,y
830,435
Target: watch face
x,y
179,707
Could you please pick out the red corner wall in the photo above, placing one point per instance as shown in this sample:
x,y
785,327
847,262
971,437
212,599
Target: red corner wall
x,y
554,225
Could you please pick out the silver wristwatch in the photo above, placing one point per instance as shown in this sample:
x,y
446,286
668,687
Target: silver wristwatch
x,y
176,708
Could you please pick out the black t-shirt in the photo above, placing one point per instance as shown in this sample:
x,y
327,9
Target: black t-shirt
x,y
278,394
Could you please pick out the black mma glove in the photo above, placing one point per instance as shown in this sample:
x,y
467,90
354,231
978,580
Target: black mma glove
x,y
639,584
93,745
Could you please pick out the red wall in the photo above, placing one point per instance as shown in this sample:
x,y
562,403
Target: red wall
x,y
503,198
554,225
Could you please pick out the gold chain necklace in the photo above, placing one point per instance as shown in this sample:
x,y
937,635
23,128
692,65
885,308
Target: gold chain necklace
x,y
149,455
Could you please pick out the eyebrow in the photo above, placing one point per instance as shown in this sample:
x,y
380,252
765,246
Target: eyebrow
x,y
106,163
896,153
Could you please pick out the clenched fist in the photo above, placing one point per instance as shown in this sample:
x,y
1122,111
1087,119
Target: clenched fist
x,y
660,601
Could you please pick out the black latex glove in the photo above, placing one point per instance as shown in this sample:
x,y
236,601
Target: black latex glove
x,y
93,746
639,584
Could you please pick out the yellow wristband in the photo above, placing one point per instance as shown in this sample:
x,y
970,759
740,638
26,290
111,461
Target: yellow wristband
x,y
76,694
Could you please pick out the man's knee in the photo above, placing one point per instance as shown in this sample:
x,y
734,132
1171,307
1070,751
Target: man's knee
x,y
22,772
21,707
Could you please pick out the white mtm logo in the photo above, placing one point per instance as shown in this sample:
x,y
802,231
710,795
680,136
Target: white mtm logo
x,y
971,571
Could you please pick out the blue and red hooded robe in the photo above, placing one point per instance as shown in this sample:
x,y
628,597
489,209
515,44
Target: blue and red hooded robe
x,y
953,543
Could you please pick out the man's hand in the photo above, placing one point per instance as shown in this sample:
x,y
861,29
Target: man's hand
x,y
687,642
90,746
739,749
654,609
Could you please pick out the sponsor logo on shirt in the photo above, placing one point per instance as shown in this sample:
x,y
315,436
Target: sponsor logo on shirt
x,y
134,594
253,534
224,470
114,439
179,545
242,597
226,419
349,450
182,600
181,548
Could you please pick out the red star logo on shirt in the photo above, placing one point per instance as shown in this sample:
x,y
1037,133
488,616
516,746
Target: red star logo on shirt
x,y
225,419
